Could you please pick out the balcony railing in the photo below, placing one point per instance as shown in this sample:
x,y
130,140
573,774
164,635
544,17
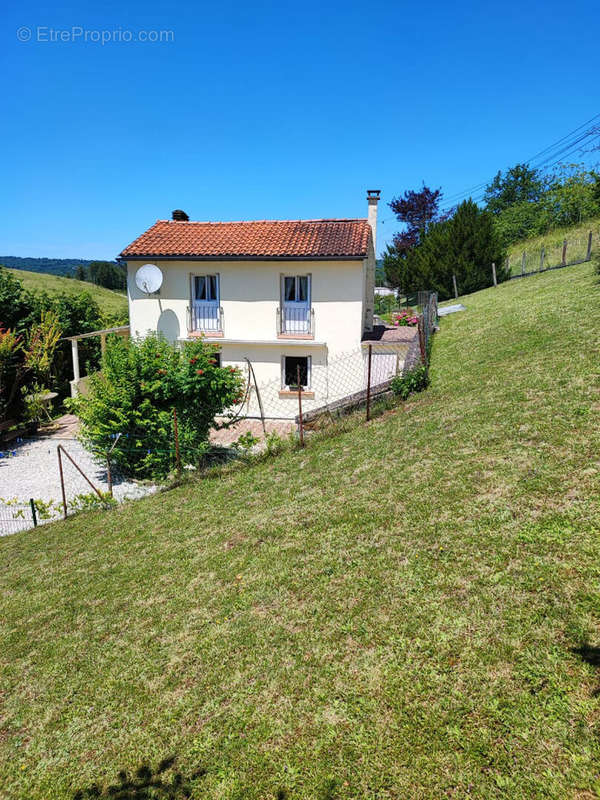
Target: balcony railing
x,y
299,321
205,317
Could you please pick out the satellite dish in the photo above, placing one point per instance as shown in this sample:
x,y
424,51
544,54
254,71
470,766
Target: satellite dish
x,y
149,278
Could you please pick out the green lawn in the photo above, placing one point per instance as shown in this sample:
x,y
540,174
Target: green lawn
x,y
406,610
110,302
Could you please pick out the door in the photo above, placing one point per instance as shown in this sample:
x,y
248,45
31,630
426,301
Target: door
x,y
296,304
206,303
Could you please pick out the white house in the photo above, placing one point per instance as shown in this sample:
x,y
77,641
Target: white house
x,y
281,294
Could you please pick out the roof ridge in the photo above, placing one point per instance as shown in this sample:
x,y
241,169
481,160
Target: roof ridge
x,y
257,221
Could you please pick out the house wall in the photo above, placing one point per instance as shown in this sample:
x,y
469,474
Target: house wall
x,y
250,296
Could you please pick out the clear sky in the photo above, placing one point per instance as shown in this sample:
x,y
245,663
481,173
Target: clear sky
x,y
272,110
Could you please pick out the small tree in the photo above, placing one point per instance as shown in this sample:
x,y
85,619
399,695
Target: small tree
x,y
134,395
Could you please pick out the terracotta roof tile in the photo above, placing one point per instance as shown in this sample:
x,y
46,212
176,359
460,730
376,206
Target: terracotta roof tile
x,y
314,238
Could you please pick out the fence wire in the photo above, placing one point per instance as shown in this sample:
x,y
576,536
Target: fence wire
x,y
31,483
559,253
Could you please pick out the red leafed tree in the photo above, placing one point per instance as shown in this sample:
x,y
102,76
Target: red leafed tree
x,y
418,210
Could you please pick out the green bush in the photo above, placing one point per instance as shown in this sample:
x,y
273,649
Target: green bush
x,y
414,380
140,383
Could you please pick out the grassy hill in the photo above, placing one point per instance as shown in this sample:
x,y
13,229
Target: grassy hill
x,y
577,238
408,610
109,301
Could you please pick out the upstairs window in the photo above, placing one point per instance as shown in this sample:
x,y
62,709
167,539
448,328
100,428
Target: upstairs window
x,y
296,289
206,288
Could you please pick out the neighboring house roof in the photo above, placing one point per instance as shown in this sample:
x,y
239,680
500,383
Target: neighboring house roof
x,y
387,335
311,238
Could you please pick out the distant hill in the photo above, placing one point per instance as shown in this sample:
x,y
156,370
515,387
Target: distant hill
x,y
110,302
50,266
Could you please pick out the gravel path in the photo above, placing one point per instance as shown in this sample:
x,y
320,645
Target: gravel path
x,y
31,470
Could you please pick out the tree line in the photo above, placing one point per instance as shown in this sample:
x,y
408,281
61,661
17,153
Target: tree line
x,y
103,273
464,241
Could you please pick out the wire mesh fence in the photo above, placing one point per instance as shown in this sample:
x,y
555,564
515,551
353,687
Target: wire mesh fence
x,y
560,253
46,479
33,493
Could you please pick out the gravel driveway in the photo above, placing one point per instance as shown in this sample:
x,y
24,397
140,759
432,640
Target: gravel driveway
x,y
31,471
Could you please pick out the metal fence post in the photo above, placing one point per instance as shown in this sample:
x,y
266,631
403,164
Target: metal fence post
x,y
370,358
563,262
523,259
494,274
589,247
542,258
455,287
300,422
177,453
62,482
33,511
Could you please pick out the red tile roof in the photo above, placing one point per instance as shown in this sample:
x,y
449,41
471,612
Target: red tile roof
x,y
310,238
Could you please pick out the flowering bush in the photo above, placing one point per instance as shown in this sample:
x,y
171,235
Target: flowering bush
x,y
134,395
406,317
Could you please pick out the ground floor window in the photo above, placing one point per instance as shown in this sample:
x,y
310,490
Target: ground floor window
x,y
289,372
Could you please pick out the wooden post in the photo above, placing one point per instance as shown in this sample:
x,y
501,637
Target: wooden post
x,y
494,274
33,511
103,344
542,258
177,453
75,354
62,482
455,287
369,382
563,262
300,422
523,260
589,247
109,476
422,344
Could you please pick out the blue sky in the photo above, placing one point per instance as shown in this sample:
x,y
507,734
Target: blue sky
x,y
272,110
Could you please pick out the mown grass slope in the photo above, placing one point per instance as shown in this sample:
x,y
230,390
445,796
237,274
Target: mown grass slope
x,y
408,610
552,242
111,303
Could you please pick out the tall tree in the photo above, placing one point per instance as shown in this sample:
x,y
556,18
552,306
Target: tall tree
x,y
419,211
520,184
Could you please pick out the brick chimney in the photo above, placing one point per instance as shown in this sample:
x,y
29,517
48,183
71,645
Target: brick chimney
x,y
373,200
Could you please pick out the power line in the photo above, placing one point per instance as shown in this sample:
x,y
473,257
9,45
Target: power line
x,y
546,151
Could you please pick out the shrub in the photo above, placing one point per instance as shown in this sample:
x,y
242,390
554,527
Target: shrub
x,y
134,395
404,318
411,381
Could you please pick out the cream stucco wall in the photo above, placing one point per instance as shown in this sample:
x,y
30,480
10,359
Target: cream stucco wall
x,y
250,296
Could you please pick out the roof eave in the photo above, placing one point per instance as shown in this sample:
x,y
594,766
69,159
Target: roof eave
x,y
124,257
